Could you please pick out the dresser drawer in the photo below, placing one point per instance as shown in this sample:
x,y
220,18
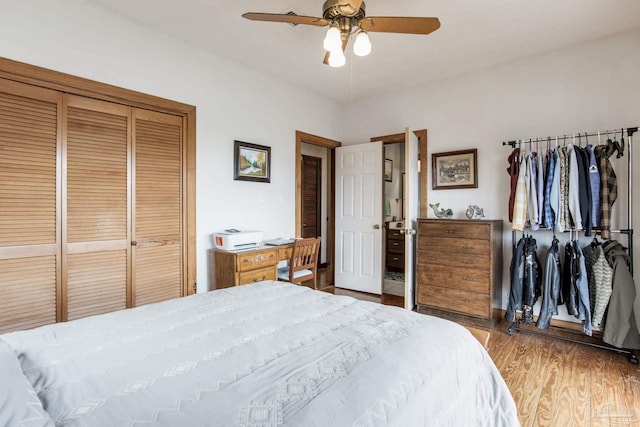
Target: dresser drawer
x,y
452,259
395,260
457,278
395,246
254,260
465,302
394,234
458,246
268,273
448,229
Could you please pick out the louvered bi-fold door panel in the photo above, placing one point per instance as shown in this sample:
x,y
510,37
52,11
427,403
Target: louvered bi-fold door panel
x,y
29,228
96,207
158,208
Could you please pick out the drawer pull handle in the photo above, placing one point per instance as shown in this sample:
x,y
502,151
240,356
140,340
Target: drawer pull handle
x,y
468,279
432,258
254,280
466,247
395,258
469,301
431,244
450,231
468,262
431,274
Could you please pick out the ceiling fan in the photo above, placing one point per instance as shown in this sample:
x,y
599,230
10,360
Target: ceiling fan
x,y
346,17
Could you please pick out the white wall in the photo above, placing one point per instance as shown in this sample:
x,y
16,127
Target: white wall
x,y
232,102
587,87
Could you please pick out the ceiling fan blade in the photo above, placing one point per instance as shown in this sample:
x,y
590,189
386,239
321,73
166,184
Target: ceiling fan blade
x,y
344,48
350,7
289,19
397,24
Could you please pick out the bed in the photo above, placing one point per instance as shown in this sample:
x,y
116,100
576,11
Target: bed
x,y
266,354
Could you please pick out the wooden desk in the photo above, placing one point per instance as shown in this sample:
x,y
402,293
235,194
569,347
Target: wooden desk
x,y
234,268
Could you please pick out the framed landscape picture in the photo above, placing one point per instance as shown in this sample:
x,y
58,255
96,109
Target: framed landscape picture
x,y
455,169
388,170
252,162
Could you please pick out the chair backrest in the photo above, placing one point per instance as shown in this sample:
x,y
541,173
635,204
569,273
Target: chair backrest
x,y
304,255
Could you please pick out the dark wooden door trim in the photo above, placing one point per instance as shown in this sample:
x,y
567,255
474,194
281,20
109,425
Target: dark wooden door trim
x,y
331,145
423,142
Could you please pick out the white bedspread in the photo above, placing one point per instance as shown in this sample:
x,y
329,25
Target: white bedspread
x,y
267,354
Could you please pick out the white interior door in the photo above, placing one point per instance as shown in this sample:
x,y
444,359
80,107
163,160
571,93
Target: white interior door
x,y
359,170
411,200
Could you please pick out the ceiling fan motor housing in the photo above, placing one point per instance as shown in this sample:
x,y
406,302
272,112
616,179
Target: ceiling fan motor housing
x,y
333,9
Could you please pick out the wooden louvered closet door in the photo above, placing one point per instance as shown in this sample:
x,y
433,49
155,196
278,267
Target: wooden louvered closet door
x,y
29,224
158,207
96,249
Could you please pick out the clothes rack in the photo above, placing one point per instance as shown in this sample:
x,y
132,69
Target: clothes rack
x,y
633,358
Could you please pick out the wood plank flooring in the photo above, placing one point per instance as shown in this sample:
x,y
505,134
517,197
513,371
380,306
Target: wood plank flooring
x,y
558,383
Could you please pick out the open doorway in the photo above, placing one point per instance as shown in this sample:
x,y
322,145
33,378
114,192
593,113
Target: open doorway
x,y
399,242
315,181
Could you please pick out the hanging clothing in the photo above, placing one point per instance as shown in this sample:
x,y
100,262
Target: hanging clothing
x,y
556,205
549,216
574,188
594,179
582,285
526,277
564,222
516,275
532,279
532,196
608,190
600,282
551,286
540,188
584,189
520,201
623,316
513,170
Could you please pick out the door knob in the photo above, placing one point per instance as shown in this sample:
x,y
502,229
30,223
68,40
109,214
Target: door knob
x,y
376,227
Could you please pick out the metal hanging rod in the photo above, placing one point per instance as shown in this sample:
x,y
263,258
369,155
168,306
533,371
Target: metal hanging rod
x,y
630,131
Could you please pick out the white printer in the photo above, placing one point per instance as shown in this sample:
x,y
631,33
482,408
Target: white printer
x,y
232,239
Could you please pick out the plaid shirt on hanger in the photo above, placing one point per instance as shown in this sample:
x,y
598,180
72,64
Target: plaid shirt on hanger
x,y
608,190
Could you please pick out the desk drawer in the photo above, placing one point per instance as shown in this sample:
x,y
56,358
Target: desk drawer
x,y
254,260
254,276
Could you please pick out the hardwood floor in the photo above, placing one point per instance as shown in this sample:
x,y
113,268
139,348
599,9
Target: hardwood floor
x,y
558,383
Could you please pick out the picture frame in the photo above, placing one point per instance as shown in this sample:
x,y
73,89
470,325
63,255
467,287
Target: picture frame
x,y
388,170
251,162
455,169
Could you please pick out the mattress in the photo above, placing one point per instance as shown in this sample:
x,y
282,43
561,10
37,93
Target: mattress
x,y
266,354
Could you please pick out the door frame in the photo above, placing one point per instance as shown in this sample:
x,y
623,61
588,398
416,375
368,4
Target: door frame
x,y
331,145
423,145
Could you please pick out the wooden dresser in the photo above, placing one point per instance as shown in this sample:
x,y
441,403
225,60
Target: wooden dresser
x,y
394,252
234,268
459,269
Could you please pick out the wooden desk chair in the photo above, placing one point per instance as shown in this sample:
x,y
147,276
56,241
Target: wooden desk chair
x,y
303,262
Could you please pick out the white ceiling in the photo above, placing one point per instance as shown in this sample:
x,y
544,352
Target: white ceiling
x,y
474,34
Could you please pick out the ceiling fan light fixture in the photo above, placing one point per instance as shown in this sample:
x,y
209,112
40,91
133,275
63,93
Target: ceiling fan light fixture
x,y
337,58
333,40
362,45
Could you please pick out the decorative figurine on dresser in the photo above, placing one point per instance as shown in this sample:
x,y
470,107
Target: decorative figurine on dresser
x,y
459,271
